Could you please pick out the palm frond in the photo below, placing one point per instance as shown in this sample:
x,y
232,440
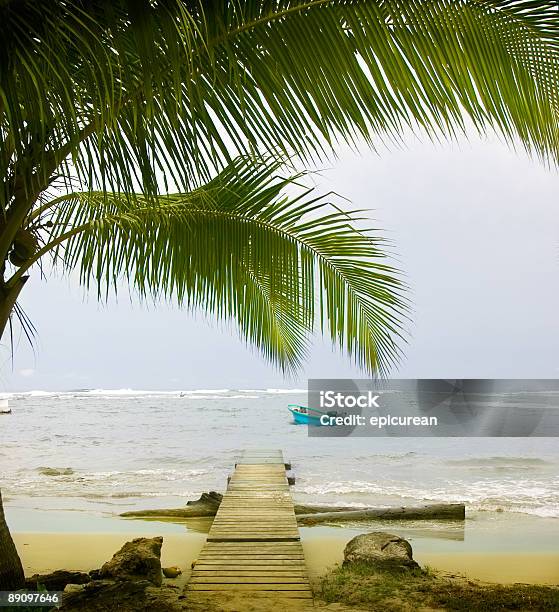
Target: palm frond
x,y
176,88
250,246
131,100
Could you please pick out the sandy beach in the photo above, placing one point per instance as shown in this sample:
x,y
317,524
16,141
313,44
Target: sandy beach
x,y
494,548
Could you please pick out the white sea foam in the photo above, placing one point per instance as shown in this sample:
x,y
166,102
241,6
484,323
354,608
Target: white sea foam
x,y
129,392
209,391
125,392
524,496
285,391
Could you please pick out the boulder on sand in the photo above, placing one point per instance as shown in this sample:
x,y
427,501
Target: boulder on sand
x,y
380,550
140,558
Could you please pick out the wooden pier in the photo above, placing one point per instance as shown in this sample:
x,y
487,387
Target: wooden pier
x,y
253,547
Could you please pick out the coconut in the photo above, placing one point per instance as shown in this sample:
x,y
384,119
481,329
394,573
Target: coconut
x,y
25,244
171,572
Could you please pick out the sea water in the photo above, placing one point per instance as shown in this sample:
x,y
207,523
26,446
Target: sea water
x,y
106,452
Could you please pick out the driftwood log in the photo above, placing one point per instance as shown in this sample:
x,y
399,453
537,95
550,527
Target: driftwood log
x,y
433,511
208,504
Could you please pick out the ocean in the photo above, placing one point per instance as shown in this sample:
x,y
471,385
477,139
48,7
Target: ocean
x,y
106,452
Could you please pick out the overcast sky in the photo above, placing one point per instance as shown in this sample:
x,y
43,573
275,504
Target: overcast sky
x,y
476,229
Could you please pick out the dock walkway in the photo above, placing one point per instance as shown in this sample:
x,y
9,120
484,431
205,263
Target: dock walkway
x,y
253,547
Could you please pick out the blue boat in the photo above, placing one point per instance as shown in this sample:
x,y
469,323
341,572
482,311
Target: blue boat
x,y
302,415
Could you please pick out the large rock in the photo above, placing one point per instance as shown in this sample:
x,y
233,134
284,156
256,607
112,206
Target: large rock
x,y
380,550
140,558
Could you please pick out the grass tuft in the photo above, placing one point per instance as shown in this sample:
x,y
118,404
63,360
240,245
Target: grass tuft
x,y
401,590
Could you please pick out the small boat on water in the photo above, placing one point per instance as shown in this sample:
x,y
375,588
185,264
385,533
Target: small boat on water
x,y
4,407
302,415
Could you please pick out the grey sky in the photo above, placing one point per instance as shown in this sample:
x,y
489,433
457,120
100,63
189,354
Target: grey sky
x,y
476,228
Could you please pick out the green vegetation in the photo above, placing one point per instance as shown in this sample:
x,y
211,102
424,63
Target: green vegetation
x,y
408,590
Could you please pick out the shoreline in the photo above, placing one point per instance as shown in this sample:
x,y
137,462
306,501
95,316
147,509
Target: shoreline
x,y
43,553
491,548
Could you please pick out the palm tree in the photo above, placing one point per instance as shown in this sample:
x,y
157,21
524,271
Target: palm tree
x,y
147,141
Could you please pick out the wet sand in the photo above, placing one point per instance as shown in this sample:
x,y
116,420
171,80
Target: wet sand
x,y
494,547
46,552
529,568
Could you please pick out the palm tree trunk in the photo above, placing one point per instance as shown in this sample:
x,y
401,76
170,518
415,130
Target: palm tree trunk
x,y
11,569
8,299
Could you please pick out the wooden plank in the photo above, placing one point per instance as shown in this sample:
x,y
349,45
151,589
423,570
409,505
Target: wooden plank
x,y
236,528
278,519
246,563
235,524
248,552
258,564
249,527
241,527
250,587
247,545
226,549
254,548
244,580
251,554
241,558
244,527
271,600
209,598
250,562
282,571
241,536
251,572
274,536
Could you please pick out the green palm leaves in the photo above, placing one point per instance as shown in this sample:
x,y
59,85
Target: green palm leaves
x,y
128,100
251,246
133,88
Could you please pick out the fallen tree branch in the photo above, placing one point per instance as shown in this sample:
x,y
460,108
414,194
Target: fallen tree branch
x,y
432,511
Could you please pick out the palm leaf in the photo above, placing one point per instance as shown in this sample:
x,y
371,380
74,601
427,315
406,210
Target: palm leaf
x,y
250,246
136,90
